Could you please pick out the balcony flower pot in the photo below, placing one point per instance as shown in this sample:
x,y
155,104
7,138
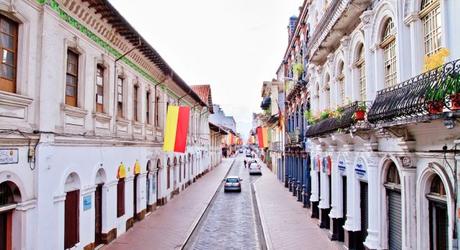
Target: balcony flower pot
x,y
455,102
435,107
359,115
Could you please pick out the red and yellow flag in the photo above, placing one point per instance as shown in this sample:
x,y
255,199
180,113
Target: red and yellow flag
x,y
262,137
177,119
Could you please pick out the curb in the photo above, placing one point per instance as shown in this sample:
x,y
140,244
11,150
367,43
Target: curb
x,y
268,241
197,220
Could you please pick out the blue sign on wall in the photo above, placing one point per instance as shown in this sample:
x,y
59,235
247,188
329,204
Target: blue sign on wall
x,y
342,167
360,169
87,202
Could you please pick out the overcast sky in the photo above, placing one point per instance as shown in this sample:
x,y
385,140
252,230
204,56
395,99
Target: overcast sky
x,y
233,45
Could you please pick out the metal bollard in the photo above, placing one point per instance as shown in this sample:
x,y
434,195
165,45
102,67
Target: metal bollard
x,y
294,187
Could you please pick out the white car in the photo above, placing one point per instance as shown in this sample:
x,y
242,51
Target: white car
x,y
254,168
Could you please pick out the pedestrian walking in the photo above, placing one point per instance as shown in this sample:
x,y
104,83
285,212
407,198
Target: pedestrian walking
x,y
245,163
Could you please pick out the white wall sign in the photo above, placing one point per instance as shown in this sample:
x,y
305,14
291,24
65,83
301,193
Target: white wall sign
x,y
360,169
9,155
342,167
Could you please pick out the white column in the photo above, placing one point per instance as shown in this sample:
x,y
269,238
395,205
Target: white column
x,y
348,83
353,216
369,55
27,213
336,210
408,196
109,206
373,232
314,179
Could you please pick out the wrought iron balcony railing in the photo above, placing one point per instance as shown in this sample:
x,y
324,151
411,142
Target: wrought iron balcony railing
x,y
295,137
276,146
330,125
410,99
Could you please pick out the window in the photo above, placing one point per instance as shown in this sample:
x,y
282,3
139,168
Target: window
x,y
361,66
100,88
120,81
71,87
437,187
8,46
393,175
135,103
147,108
389,53
157,115
431,18
121,197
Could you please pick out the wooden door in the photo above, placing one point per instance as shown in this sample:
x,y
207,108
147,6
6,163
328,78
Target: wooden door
x,y
135,197
71,219
98,215
5,230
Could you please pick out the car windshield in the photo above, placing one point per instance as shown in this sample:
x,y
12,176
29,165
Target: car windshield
x,y
232,180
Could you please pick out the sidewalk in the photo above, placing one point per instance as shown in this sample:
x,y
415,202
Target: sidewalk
x,y
170,225
286,224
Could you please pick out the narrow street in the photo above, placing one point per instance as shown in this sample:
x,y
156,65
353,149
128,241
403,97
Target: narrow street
x,y
231,221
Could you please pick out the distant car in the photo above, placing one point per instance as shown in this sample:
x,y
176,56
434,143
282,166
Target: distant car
x,y
248,154
232,183
254,168
240,151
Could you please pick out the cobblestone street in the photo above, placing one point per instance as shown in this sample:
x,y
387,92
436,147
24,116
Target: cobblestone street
x,y
231,220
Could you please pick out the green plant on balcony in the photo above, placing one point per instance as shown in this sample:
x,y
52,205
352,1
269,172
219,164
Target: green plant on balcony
x,y
453,90
435,97
297,69
324,114
311,119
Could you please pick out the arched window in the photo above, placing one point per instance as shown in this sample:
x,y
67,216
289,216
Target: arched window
x,y
437,187
430,13
341,84
392,176
388,45
438,215
361,66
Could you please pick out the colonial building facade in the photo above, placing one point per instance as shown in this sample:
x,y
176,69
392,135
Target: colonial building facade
x,y
83,100
382,83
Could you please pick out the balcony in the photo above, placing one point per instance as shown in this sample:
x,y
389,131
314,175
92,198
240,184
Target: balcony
x,y
294,138
276,146
341,17
331,125
411,100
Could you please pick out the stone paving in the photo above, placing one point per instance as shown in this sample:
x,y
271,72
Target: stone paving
x,y
286,224
230,222
169,226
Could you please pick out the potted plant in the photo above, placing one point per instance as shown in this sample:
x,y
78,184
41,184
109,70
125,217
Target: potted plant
x,y
453,89
360,111
435,99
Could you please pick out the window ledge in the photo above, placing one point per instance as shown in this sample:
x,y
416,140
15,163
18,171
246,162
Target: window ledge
x,y
122,121
138,124
7,98
102,116
74,111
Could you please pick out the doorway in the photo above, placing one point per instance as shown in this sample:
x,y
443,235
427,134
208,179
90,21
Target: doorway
x,y
135,197
71,218
98,215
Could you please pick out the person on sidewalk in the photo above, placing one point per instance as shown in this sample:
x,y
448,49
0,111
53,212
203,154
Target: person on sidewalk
x,y
245,163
